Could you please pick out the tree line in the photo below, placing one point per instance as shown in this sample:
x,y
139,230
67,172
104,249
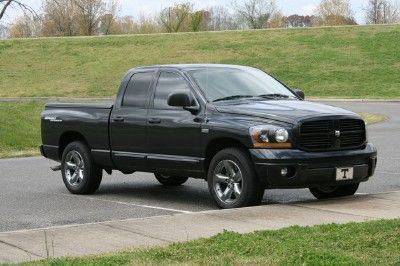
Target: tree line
x,y
101,17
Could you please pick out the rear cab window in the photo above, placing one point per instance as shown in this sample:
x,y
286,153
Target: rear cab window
x,y
138,90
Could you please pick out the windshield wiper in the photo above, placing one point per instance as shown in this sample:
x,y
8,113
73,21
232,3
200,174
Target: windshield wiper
x,y
275,95
233,97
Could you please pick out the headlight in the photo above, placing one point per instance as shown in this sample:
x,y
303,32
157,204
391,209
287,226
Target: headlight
x,y
270,137
281,135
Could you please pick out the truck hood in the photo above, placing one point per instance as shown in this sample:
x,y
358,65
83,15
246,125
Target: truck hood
x,y
288,111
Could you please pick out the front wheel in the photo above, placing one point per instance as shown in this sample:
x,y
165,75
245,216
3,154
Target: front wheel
x,y
328,192
232,180
79,172
167,180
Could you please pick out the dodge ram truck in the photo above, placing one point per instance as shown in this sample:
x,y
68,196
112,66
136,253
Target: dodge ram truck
x,y
236,127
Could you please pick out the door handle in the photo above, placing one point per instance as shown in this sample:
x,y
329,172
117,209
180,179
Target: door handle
x,y
118,119
154,120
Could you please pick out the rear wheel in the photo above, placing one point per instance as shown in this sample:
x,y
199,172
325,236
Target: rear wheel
x,y
232,180
79,172
327,192
167,180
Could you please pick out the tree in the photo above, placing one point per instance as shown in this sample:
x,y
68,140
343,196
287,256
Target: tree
x,y
256,13
111,14
298,21
335,12
3,31
174,18
88,15
196,20
219,18
24,27
382,12
6,4
59,18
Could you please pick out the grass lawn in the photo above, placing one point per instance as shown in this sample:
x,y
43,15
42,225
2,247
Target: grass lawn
x,y
370,243
20,128
352,62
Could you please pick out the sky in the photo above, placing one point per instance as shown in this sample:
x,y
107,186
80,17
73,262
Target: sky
x,y
150,7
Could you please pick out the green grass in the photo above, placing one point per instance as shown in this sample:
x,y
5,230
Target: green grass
x,y
370,243
345,62
20,128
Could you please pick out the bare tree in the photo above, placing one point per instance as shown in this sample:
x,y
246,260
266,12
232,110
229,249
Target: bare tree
x,y
382,12
256,13
174,18
3,32
108,19
88,15
58,18
6,4
219,18
335,12
24,27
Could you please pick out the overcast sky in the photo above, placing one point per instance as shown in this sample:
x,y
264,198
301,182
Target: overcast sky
x,y
147,7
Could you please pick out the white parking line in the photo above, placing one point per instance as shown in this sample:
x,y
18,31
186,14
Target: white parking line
x,y
128,203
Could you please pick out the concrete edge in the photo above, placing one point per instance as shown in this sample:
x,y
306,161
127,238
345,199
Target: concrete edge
x,y
107,237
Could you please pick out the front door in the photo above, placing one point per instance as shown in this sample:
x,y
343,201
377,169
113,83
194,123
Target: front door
x,y
173,133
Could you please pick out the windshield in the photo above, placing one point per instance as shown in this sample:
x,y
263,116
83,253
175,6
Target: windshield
x,y
221,84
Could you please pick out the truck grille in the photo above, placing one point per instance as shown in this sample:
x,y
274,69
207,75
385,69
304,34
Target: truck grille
x,y
327,135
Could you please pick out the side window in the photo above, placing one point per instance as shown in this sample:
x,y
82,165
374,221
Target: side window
x,y
137,91
167,83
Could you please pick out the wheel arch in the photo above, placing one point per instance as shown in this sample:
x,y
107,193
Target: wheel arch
x,y
218,144
68,137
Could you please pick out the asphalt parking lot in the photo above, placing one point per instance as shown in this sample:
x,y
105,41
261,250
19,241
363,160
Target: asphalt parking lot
x,y
32,196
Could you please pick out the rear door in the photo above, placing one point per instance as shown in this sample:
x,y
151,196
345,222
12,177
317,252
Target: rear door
x,y
128,123
173,133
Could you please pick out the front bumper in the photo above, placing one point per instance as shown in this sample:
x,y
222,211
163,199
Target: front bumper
x,y
312,169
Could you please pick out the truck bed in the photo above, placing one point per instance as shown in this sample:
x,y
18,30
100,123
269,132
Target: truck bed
x,y
86,121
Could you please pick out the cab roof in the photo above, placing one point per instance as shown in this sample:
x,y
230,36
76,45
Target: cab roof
x,y
191,66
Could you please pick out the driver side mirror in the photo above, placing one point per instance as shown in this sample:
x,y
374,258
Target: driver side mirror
x,y
300,94
181,99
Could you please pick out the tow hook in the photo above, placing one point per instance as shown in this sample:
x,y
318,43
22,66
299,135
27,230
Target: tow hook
x,y
56,168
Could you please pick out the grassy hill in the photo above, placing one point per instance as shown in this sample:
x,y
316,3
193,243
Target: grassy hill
x,y
356,62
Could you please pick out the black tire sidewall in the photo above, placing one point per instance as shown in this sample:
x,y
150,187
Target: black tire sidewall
x,y
171,180
90,181
251,187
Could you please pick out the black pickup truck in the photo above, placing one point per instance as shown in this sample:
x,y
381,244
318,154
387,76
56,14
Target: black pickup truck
x,y
240,129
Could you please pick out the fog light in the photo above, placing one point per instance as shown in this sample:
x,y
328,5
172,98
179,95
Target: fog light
x,y
284,171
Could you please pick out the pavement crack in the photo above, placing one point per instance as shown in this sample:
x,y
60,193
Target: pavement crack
x,y
19,248
137,233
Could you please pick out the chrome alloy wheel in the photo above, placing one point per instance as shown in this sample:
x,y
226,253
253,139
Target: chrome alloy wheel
x,y
228,181
74,168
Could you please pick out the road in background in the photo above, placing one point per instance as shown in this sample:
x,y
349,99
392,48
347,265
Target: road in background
x,y
32,196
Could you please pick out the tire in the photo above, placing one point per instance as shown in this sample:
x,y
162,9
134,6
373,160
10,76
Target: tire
x,y
171,180
225,185
80,174
334,192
